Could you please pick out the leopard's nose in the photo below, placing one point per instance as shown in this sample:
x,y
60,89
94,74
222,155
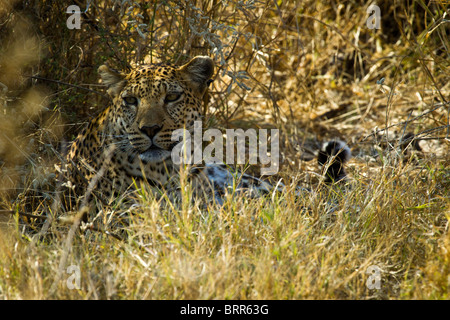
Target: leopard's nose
x,y
151,131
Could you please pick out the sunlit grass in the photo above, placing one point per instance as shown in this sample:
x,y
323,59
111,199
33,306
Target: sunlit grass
x,y
310,248
315,76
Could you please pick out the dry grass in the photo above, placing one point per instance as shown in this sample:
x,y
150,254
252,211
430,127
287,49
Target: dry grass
x,y
313,70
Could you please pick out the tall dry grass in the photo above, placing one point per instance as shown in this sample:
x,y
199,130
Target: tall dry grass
x,y
313,70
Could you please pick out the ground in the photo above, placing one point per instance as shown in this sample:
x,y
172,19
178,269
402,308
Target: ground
x,y
314,71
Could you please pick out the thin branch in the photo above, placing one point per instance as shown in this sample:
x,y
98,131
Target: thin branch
x,y
13,212
68,84
405,122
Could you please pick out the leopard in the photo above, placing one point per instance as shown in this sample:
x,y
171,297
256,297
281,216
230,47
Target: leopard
x,y
130,142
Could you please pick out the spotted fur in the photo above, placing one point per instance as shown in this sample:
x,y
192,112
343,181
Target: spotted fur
x,y
130,141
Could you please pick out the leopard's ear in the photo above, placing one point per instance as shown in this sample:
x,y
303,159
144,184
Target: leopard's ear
x,y
113,79
198,71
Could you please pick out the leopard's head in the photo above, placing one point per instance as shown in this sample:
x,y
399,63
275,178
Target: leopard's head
x,y
152,101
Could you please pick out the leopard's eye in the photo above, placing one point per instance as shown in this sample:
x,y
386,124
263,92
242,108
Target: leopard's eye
x,y
172,97
130,100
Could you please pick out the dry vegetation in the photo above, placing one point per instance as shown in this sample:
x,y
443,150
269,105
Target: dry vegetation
x,y
313,70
